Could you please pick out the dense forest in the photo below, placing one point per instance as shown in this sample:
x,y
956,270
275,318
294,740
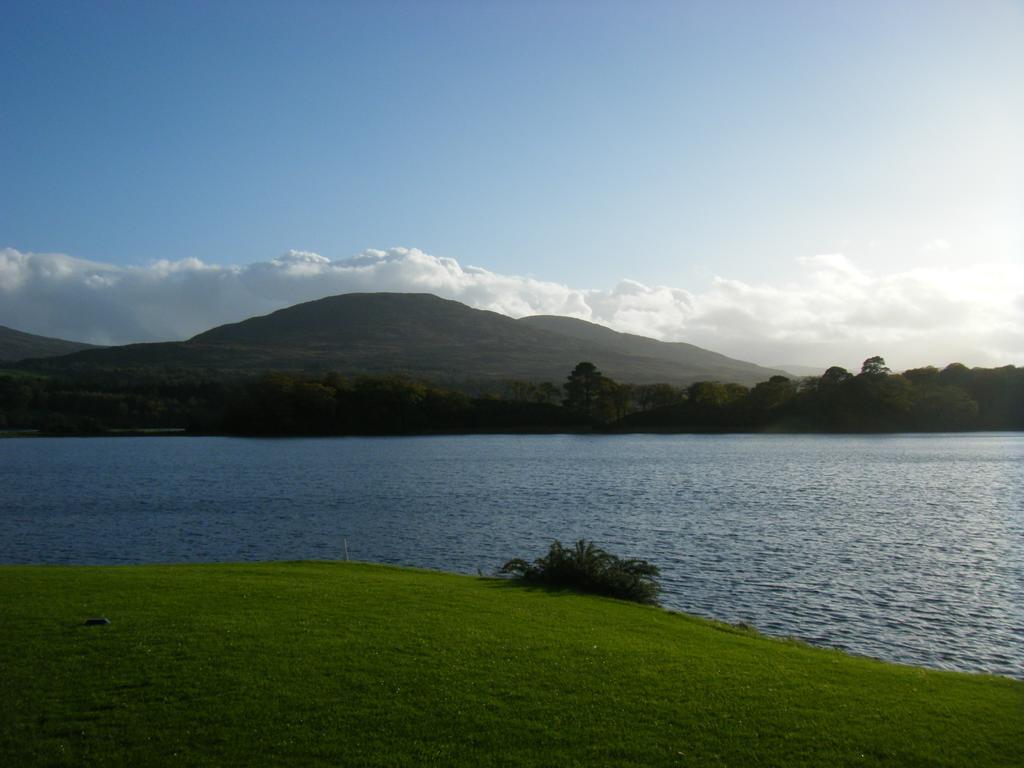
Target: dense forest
x,y
955,398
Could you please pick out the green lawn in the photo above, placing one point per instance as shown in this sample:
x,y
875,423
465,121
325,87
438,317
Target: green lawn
x,y
360,665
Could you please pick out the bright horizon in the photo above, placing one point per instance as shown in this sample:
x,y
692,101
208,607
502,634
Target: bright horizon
x,y
799,184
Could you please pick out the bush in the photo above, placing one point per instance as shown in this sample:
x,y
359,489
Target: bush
x,y
586,567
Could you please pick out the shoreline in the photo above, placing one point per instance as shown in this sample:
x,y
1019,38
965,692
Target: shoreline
x,y
739,626
182,432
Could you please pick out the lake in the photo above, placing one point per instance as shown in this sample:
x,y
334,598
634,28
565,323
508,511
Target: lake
x,y
908,548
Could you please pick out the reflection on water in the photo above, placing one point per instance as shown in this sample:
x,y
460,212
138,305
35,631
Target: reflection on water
x,y
909,548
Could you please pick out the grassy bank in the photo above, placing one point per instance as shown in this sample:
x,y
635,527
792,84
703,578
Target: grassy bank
x,y
350,664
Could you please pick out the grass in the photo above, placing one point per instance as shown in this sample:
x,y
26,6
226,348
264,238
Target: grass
x,y
351,664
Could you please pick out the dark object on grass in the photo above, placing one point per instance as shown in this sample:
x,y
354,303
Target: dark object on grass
x,y
97,621
588,568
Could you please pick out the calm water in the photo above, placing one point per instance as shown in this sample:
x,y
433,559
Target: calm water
x,y
909,548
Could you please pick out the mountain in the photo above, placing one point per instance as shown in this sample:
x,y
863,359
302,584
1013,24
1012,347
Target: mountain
x,y
700,363
16,345
798,370
423,335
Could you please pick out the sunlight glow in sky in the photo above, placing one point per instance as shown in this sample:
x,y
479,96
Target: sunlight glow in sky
x,y
720,149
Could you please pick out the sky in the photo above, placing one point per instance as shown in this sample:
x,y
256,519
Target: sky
x,y
790,183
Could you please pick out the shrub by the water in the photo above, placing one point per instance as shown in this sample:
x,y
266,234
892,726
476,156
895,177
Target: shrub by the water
x,y
586,567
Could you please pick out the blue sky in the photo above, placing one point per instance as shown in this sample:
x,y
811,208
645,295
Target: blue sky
x,y
577,143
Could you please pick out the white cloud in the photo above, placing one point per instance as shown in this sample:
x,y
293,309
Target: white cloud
x,y
936,245
834,313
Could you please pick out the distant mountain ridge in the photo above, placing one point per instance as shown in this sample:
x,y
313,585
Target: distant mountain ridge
x,y
18,345
424,335
701,362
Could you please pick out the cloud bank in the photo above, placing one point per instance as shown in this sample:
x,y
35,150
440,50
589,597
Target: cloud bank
x,y
834,313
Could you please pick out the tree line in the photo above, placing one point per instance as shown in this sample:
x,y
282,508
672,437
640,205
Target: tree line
x,y
955,398
875,399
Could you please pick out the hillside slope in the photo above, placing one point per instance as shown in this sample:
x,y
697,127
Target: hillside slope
x,y
423,335
704,363
17,345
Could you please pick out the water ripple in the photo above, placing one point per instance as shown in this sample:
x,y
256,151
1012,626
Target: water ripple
x,y
908,548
